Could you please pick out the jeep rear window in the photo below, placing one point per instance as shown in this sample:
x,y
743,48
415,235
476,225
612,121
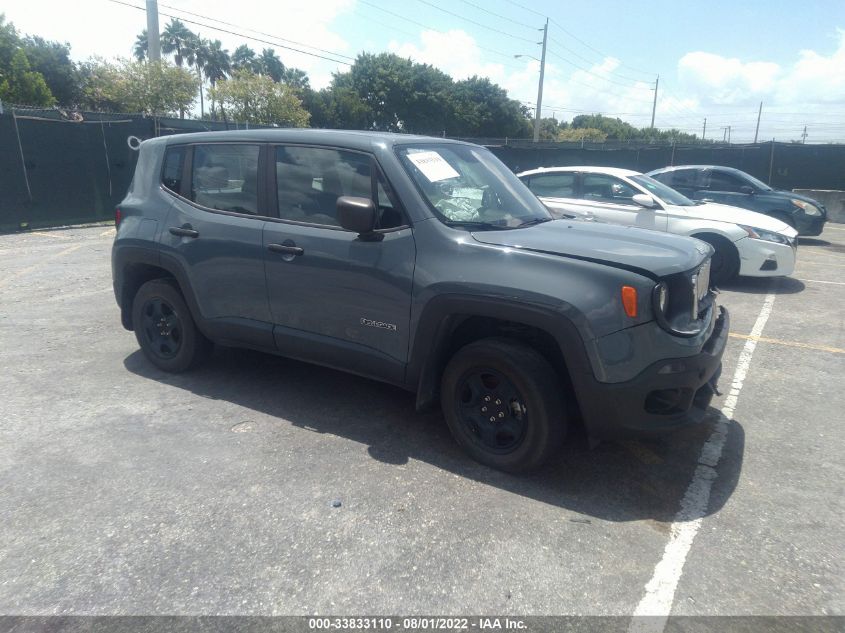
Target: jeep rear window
x,y
225,177
467,185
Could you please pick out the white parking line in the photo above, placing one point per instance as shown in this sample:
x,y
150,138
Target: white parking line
x,y
660,590
819,281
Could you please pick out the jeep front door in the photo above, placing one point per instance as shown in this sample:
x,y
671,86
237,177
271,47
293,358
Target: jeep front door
x,y
336,297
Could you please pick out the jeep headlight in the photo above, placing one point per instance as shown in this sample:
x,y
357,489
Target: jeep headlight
x,y
766,236
807,207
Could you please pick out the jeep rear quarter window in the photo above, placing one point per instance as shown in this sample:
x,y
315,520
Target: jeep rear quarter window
x,y
171,172
225,177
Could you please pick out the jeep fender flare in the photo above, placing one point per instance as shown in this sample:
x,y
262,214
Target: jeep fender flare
x,y
442,315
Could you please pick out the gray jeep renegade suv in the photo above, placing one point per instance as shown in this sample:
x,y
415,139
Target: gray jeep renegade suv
x,y
424,263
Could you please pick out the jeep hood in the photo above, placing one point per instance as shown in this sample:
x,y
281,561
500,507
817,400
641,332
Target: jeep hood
x,y
734,215
645,252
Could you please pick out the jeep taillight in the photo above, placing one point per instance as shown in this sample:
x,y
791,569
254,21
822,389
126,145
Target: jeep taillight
x,y
118,216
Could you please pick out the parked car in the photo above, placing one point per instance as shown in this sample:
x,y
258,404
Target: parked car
x,y
420,262
745,243
734,187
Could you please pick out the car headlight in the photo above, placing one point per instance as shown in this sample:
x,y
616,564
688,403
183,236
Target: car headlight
x,y
807,207
762,234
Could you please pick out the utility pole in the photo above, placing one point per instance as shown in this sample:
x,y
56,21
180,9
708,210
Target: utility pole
x,y
537,114
759,112
804,136
704,129
654,105
726,134
153,42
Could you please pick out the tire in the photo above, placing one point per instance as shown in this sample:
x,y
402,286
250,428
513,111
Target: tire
x,y
165,329
521,393
724,267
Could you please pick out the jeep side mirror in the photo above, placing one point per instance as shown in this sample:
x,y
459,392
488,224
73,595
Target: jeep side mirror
x,y
644,200
747,190
356,214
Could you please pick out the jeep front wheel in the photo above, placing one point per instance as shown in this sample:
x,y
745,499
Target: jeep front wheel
x,y
502,402
165,329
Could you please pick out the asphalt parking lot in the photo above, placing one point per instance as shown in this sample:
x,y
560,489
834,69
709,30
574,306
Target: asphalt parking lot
x,y
124,490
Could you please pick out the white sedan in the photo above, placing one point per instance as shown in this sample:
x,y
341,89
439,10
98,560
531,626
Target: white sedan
x,y
746,243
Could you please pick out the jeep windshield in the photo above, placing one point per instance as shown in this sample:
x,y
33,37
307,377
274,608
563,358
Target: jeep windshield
x,y
466,186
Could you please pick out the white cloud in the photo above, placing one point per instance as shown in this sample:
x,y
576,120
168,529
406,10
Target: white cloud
x,y
455,52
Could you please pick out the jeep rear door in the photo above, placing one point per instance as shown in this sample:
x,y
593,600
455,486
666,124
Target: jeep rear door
x,y
337,298
213,232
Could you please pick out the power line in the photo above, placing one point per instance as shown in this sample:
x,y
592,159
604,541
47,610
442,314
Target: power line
x,y
248,37
591,72
431,28
595,50
484,26
500,16
243,28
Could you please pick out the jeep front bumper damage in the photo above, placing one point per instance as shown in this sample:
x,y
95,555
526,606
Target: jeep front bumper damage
x,y
668,394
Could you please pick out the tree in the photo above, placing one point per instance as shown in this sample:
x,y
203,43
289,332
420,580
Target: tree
x,y
582,134
200,47
269,64
176,39
52,60
296,78
258,99
217,67
337,108
483,109
244,59
19,84
154,88
141,47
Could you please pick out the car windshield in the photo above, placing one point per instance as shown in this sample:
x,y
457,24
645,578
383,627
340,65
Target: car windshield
x,y
467,186
667,194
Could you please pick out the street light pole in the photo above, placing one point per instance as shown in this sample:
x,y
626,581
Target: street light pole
x,y
538,112
153,41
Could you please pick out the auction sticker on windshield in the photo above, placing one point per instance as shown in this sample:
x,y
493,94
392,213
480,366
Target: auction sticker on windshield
x,y
433,166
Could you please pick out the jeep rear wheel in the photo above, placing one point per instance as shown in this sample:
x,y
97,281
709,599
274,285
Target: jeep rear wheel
x,y
502,402
164,328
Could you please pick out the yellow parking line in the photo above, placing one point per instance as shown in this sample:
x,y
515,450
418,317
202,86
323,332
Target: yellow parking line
x,y
58,236
764,339
109,232
29,269
804,261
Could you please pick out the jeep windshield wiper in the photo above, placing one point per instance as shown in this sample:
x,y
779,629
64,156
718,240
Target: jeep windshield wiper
x,y
476,224
534,221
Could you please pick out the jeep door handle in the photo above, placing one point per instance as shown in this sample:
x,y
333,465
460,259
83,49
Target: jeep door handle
x,y
285,249
182,231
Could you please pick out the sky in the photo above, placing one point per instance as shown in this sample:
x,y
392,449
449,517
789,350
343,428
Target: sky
x,y
716,60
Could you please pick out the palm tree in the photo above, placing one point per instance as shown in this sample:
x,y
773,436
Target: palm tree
x,y
244,59
141,46
217,65
270,65
176,38
199,48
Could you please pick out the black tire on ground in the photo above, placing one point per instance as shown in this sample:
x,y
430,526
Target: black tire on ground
x,y
724,267
165,328
503,404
